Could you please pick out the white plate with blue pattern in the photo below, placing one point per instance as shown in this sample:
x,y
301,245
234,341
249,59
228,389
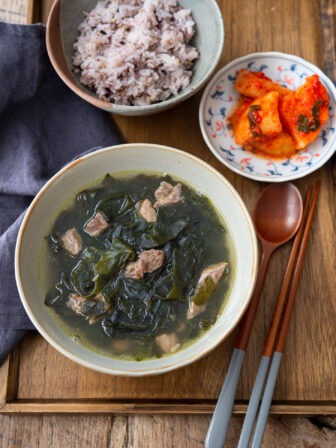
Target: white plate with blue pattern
x,y
220,99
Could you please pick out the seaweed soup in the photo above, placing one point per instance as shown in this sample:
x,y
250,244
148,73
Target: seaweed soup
x,y
138,266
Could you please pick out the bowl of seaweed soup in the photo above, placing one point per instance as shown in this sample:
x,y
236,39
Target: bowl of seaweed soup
x,y
134,278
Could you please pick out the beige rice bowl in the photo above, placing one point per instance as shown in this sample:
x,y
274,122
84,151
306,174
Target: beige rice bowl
x,y
135,52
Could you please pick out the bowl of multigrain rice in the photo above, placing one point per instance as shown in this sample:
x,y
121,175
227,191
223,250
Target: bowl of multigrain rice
x,y
135,57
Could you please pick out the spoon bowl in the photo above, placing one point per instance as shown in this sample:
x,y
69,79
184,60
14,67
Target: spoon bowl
x,y
277,213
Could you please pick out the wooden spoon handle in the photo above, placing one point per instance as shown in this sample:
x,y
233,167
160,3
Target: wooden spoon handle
x,y
246,324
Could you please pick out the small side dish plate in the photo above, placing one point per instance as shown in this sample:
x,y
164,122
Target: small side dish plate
x,y
220,99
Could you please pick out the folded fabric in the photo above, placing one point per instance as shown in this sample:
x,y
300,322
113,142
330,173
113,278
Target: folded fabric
x,y
43,125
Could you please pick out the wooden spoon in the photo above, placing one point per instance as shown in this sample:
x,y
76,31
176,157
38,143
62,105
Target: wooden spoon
x,y
277,217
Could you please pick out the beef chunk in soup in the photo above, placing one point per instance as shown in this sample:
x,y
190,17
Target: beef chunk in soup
x,y
215,272
146,210
121,345
148,261
151,259
207,282
134,270
168,343
72,241
96,225
77,304
167,194
92,308
194,310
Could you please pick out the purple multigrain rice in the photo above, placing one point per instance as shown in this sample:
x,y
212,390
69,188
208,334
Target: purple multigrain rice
x,y
135,52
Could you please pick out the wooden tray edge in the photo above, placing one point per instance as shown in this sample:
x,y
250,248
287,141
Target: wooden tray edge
x,y
155,407
4,375
10,404
9,372
32,11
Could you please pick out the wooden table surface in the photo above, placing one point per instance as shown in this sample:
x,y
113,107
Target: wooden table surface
x,y
301,27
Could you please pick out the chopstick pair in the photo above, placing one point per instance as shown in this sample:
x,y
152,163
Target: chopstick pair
x,y
276,337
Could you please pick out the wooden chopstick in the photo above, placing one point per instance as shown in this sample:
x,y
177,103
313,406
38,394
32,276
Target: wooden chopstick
x,y
281,339
284,326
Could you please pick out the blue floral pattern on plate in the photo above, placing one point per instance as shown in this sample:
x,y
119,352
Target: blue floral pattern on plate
x,y
220,99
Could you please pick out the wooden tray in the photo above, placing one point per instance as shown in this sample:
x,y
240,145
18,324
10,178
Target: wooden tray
x,y
37,379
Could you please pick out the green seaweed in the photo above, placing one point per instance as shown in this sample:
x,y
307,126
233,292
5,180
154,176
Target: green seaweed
x,y
203,291
189,233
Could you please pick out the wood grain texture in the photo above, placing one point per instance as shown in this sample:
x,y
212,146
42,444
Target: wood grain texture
x,y
45,7
149,432
33,10
308,370
328,26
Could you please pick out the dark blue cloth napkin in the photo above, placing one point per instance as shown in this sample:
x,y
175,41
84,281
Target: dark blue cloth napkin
x,y
43,125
